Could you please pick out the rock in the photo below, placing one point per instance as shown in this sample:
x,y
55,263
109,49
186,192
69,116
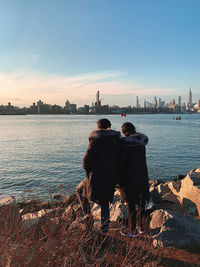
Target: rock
x,y
155,196
190,207
172,229
69,200
170,198
181,176
155,182
118,211
175,187
31,219
117,193
190,189
7,201
9,212
163,188
158,218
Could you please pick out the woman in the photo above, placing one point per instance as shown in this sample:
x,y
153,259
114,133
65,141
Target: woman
x,y
134,184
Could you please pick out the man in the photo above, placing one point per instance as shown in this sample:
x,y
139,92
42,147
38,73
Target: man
x,y
101,165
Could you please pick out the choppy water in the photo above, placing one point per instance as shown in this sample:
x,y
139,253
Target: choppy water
x,y
40,152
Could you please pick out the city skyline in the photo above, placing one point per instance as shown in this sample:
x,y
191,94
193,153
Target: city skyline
x,y
97,101
54,51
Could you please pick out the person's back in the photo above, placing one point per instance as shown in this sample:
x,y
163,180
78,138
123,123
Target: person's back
x,y
133,168
101,163
134,184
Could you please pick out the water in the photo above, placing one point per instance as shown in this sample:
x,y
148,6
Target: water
x,y
40,152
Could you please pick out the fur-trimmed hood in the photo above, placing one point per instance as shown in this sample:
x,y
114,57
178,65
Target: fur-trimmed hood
x,y
102,134
135,140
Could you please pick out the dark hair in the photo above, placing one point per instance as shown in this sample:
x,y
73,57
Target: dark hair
x,y
128,128
103,123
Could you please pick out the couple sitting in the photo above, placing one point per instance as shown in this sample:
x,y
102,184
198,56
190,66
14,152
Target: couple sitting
x,y
111,160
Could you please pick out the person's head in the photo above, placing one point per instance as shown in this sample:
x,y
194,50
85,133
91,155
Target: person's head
x,y
103,124
128,129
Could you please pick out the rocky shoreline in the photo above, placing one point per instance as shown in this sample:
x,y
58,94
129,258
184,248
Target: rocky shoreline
x,y
172,216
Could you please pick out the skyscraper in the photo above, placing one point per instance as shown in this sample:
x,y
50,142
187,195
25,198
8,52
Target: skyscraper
x,y
179,101
159,102
189,98
98,102
155,103
137,102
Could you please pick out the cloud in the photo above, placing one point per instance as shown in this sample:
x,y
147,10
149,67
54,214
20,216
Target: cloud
x,y
25,87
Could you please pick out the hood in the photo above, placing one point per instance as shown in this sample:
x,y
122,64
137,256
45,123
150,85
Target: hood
x,y
134,140
104,134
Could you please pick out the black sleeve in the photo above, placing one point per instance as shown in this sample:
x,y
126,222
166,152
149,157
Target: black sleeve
x,y
89,158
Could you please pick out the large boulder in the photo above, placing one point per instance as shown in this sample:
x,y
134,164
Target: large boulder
x,y
171,229
190,189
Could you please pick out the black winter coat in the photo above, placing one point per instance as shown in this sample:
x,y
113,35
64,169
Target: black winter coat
x,y
101,163
134,184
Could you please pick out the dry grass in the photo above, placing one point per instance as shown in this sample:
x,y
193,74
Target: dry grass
x,y
61,239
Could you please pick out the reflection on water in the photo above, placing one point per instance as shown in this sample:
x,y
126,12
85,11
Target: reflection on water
x,y
47,150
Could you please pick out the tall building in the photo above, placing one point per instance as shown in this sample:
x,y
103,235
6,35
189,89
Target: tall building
x,y
40,105
70,108
145,103
98,102
137,102
155,103
179,101
189,98
159,102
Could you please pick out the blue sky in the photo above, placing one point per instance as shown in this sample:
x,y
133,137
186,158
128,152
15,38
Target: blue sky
x,y
58,50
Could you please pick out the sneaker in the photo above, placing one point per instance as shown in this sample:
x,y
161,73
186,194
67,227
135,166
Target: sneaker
x,y
129,234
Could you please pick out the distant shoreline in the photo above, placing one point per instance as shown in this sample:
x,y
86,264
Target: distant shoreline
x,y
106,114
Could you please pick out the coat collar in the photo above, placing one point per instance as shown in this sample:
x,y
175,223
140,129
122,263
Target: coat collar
x,y
104,134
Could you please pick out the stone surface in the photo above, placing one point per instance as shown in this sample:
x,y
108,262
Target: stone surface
x,y
117,193
189,207
175,187
7,200
170,197
190,189
69,200
30,219
118,211
155,196
163,188
172,229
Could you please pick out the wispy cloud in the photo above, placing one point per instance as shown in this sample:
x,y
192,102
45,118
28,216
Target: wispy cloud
x,y
24,87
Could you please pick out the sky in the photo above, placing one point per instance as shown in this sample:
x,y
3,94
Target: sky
x,y
68,49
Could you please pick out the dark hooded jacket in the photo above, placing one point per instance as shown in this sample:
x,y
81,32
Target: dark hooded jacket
x,y
101,163
134,184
